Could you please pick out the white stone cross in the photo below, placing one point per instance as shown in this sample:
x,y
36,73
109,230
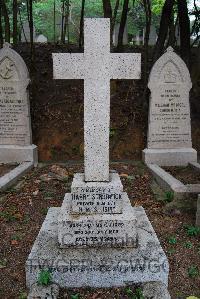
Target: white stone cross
x,y
96,66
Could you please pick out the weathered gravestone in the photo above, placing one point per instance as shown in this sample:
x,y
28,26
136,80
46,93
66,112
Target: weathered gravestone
x,y
138,39
15,122
25,33
97,238
41,39
169,133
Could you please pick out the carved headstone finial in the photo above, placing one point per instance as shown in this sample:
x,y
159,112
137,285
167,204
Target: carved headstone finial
x,y
6,45
170,49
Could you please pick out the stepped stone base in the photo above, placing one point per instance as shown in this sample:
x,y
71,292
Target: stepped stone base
x,y
19,154
96,266
169,157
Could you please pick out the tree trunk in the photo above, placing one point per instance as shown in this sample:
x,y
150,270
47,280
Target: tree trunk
x,y
54,22
114,19
68,13
1,30
184,23
123,23
107,9
172,38
62,25
6,20
31,28
81,25
15,31
164,25
147,8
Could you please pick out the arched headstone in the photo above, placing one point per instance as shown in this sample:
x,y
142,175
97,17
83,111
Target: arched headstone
x,y
169,128
15,125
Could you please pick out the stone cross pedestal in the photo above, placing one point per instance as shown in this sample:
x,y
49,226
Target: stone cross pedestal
x,y
97,238
169,133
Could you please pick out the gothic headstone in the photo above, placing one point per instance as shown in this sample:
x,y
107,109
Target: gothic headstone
x,y
169,132
15,122
97,238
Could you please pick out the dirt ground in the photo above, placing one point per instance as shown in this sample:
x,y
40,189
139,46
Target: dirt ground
x,y
5,168
24,206
187,175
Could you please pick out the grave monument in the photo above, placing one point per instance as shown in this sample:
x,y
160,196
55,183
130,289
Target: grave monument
x,y
97,238
15,122
169,133
41,39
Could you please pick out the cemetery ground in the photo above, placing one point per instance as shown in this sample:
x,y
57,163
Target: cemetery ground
x,y
187,175
24,206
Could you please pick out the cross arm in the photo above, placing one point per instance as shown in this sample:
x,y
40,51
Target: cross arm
x,y
68,66
125,66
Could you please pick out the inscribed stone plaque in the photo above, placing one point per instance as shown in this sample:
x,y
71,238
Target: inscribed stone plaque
x,y
96,202
15,126
169,115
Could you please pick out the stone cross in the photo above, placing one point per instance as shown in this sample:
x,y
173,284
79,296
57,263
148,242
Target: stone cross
x,y
96,66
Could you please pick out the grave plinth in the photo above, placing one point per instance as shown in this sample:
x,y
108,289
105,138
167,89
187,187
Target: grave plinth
x,y
97,239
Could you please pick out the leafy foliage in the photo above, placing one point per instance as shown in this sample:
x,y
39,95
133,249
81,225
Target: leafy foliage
x,y
193,271
76,296
192,231
172,240
135,295
169,196
44,278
